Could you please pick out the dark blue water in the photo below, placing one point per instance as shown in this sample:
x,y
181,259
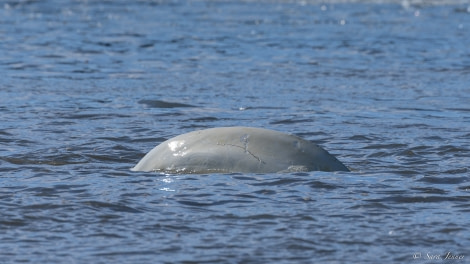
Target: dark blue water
x,y
88,87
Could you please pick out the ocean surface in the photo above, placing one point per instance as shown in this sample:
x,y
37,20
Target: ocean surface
x,y
88,87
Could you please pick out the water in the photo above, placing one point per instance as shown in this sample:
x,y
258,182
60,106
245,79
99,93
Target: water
x,y
88,87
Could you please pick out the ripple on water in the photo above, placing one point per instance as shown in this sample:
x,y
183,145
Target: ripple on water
x,y
88,87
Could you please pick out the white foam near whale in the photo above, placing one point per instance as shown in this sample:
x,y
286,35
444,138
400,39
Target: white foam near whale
x,y
237,149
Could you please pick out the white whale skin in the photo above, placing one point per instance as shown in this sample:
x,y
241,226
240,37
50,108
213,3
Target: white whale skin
x,y
237,149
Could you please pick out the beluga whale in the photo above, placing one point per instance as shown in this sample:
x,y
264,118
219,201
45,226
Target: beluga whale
x,y
237,150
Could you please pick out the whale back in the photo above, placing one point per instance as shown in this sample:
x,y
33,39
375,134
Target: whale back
x,y
237,149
